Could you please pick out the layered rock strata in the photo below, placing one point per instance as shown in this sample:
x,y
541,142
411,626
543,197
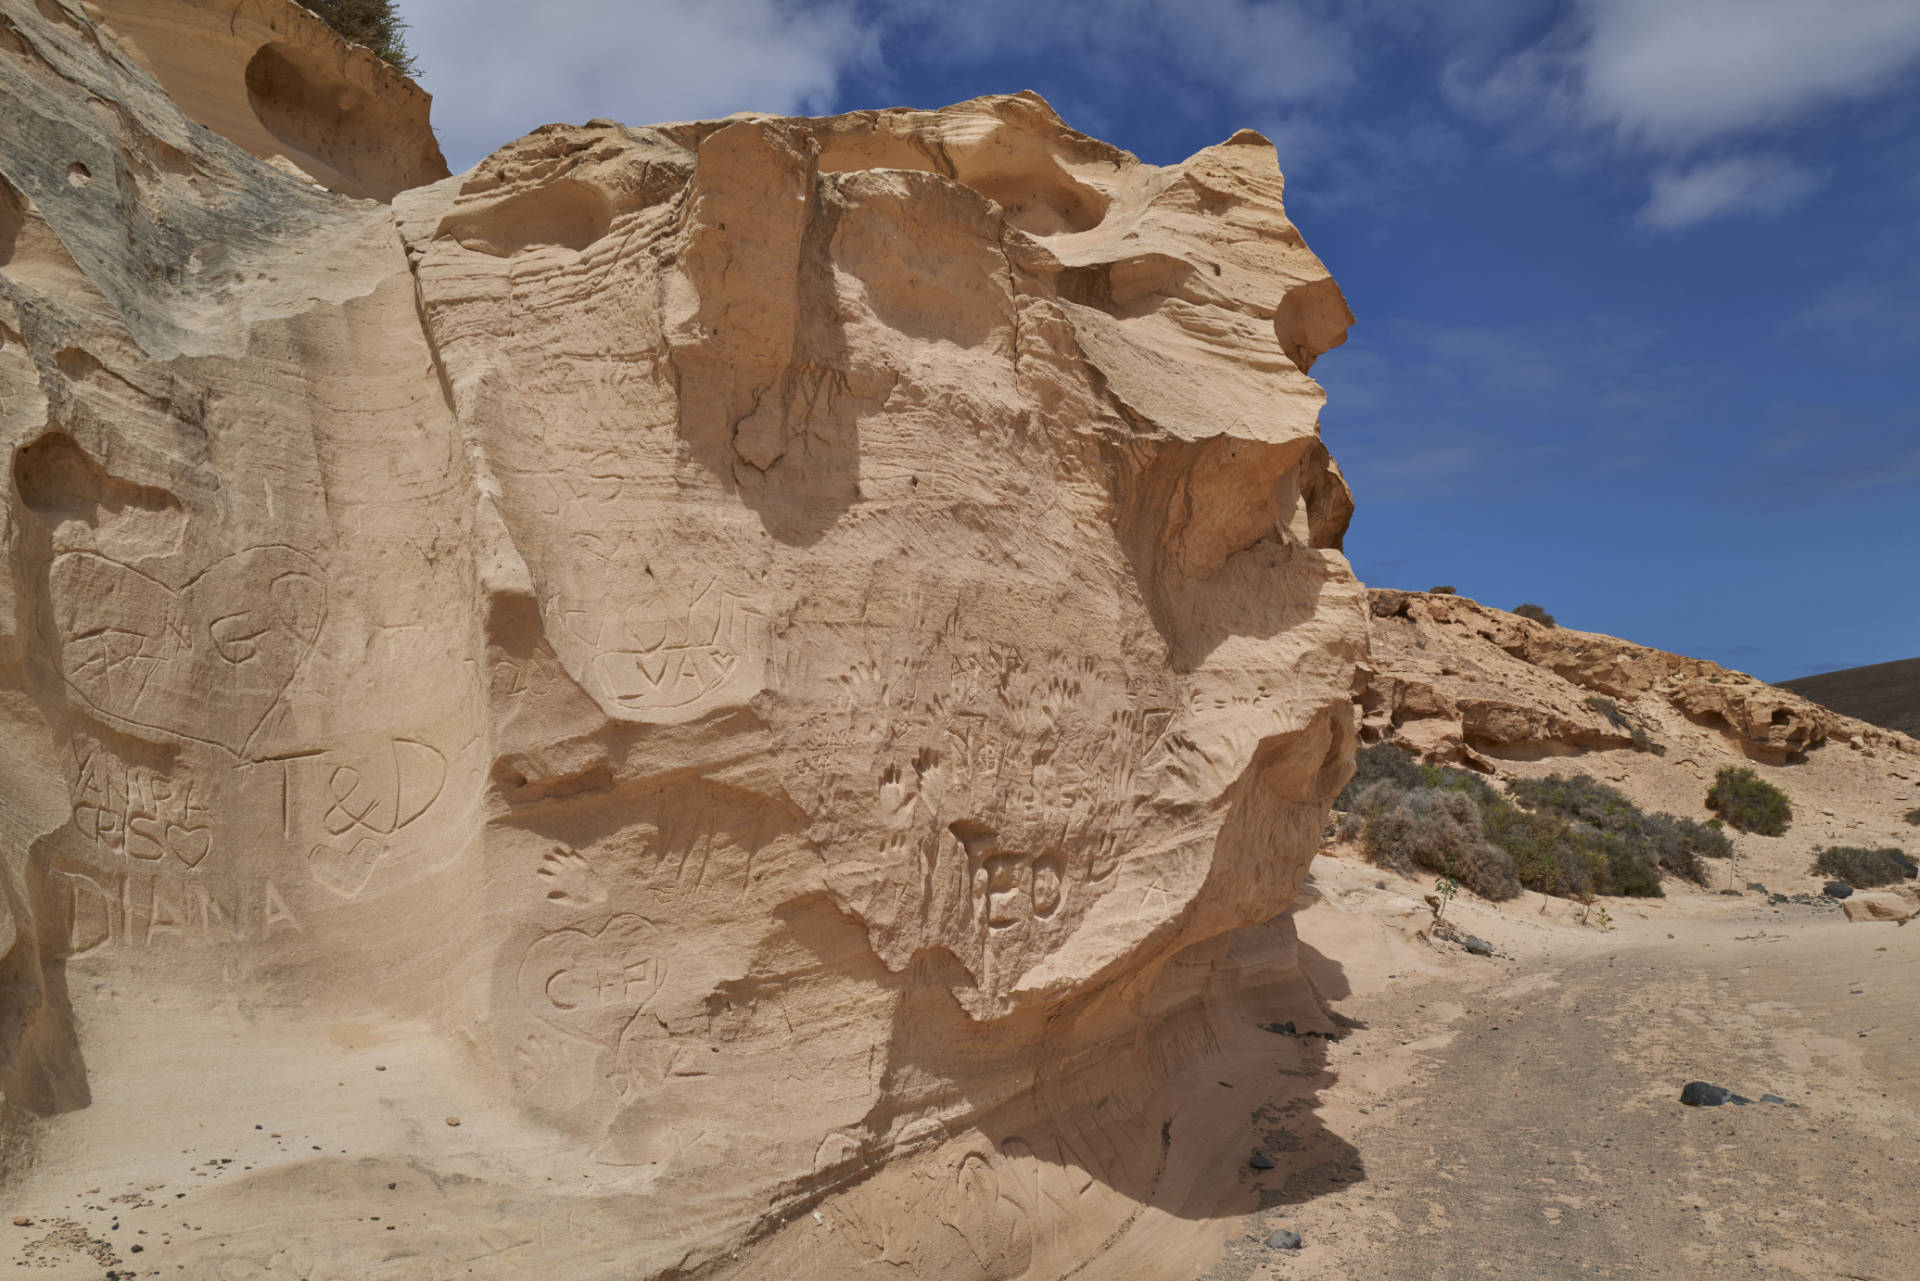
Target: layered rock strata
x,y
756,665
1456,680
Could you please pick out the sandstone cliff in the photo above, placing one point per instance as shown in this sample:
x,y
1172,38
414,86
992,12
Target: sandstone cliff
x,y
733,695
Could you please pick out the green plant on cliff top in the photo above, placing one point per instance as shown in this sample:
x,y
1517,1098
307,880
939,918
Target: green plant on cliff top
x,y
1536,613
373,23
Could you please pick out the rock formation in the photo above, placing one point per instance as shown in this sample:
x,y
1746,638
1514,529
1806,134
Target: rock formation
x,y
1454,680
729,696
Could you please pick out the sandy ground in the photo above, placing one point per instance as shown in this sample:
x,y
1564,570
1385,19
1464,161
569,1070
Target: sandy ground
x,y
1519,1115
1512,1116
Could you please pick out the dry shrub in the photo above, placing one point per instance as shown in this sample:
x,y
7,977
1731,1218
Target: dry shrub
x,y
1435,831
1863,868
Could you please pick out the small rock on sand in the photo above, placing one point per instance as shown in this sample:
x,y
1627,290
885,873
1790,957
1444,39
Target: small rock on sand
x,y
1837,889
1284,1240
1261,1161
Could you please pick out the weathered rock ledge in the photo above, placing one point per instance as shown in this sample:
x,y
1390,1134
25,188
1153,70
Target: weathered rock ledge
x,y
1456,680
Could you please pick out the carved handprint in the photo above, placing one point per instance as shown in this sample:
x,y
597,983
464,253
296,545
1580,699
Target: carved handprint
x,y
570,879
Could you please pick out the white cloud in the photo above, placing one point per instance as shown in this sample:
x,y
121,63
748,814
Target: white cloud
x,y
1679,80
1682,197
1675,74
498,70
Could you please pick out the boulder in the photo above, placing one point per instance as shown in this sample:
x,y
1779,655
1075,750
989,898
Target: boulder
x,y
1877,906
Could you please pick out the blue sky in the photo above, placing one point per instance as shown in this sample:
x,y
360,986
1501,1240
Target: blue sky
x,y
1638,281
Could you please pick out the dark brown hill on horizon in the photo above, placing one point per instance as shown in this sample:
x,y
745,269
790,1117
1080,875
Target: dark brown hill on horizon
x,y
1884,694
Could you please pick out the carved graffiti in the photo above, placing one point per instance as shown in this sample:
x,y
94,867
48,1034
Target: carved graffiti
x,y
207,661
143,813
669,652
108,909
1005,785
590,981
358,802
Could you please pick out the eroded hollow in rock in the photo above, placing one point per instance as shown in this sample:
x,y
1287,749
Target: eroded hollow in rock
x,y
304,105
59,481
563,212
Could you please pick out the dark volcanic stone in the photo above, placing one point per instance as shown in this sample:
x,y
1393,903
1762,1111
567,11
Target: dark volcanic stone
x,y
1261,1161
1837,889
1698,1094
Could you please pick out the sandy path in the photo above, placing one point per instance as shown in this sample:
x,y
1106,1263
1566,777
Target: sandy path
x,y
1519,1117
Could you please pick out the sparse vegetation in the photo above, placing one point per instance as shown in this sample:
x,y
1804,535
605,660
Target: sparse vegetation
x,y
1609,709
1642,741
1748,802
1445,888
1863,868
1446,589
1570,837
373,23
1536,613
1913,816
1436,831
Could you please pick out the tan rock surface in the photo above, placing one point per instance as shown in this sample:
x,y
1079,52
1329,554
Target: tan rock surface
x,y
778,672
1877,906
274,78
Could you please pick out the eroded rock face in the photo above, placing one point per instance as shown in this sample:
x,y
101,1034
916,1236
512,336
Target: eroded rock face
x,y
1453,679
734,656
273,78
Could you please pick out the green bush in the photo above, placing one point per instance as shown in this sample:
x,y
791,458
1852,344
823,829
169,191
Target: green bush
x,y
1537,614
1748,802
1556,835
1862,868
1633,836
373,23
1643,742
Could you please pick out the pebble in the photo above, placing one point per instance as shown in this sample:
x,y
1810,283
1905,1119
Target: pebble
x,y
1837,889
1261,1161
1284,1240
22,1221
1478,946
1699,1094
453,1120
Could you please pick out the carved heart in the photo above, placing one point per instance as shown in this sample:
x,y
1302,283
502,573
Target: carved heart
x,y
205,662
591,982
345,872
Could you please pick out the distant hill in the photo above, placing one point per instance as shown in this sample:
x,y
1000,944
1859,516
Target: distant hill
x,y
1885,694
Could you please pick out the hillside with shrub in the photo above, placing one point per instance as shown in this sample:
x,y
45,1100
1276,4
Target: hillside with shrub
x,y
1513,754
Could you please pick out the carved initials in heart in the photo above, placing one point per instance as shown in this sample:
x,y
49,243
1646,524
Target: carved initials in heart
x,y
207,661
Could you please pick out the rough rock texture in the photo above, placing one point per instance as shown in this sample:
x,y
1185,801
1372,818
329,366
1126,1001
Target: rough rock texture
x,y
275,79
684,677
1878,906
1456,680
